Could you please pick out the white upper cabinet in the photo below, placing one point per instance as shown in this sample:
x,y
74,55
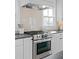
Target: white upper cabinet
x,y
38,2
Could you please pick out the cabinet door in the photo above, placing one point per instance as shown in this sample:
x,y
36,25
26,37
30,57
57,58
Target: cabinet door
x,y
19,52
28,48
57,44
19,49
19,42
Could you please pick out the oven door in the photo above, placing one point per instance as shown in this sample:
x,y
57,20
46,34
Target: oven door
x,y
42,48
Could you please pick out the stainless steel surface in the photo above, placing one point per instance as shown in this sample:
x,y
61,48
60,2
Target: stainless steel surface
x,y
39,41
40,37
46,56
35,6
37,37
42,55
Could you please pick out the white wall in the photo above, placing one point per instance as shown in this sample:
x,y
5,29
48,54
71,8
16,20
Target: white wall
x,y
17,14
59,9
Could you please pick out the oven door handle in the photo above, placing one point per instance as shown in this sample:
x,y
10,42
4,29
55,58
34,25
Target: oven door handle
x,y
39,41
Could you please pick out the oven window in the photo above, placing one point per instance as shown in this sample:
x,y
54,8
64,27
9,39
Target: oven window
x,y
43,47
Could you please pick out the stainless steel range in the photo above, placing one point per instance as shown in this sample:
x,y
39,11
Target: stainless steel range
x,y
41,44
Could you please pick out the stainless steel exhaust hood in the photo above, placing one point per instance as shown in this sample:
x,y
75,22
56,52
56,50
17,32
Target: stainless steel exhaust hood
x,y
35,6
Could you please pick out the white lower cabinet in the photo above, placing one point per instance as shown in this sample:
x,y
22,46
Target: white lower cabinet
x,y
19,52
23,48
57,43
27,48
19,49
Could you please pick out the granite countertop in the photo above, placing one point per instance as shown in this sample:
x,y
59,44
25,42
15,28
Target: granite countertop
x,y
20,36
55,32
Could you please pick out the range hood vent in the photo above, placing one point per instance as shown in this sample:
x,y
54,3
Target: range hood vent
x,y
35,6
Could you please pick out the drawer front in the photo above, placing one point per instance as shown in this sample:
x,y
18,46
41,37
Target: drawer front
x,y
18,42
59,35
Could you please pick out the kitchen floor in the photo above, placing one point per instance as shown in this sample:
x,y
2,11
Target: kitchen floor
x,y
58,55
